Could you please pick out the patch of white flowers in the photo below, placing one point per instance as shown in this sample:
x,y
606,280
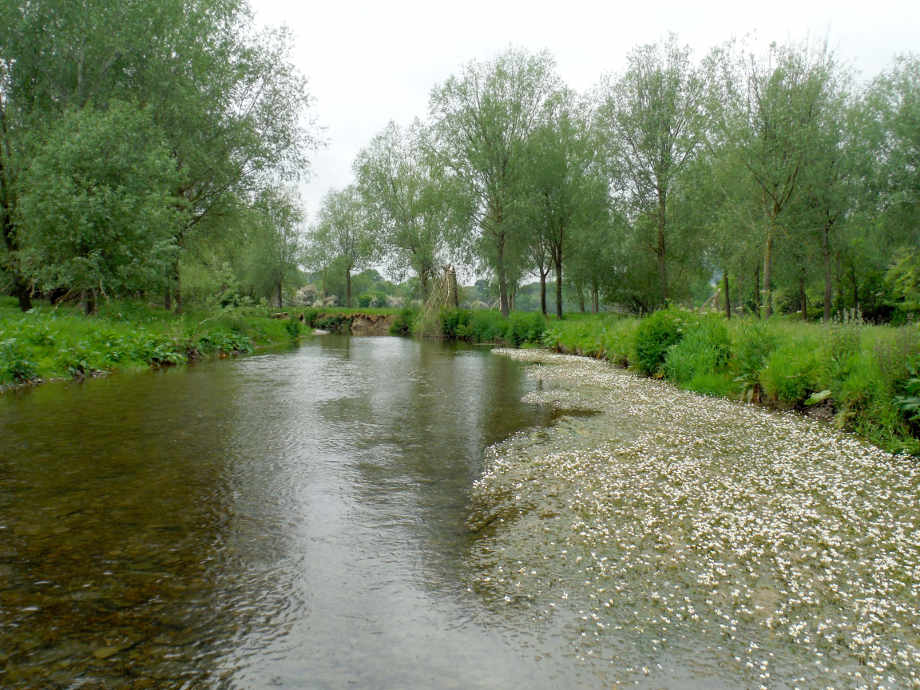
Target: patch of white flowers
x,y
723,539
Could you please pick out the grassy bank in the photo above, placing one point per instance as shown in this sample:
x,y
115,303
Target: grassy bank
x,y
60,342
862,378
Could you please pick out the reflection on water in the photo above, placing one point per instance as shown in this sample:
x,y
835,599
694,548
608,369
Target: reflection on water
x,y
290,519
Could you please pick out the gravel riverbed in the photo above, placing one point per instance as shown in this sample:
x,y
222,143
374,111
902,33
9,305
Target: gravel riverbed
x,y
678,540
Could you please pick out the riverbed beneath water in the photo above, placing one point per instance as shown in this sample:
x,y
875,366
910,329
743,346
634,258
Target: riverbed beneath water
x,y
384,512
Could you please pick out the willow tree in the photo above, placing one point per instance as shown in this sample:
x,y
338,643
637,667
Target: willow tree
x,y
481,120
344,233
418,207
225,96
654,117
768,113
563,189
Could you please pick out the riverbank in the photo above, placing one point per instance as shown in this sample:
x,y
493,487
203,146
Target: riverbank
x,y
689,540
860,378
60,342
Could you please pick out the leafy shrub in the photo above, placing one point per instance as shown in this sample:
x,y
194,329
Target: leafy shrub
x,y
525,327
292,326
755,342
704,349
14,365
402,324
788,378
656,335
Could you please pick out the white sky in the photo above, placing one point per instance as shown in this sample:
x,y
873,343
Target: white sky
x,y
371,62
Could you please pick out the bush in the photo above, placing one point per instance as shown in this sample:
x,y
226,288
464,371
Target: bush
x,y
292,326
656,335
14,365
704,349
402,325
788,378
754,343
525,327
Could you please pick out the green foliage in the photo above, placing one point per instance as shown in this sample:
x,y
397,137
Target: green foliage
x,y
656,335
292,326
14,366
754,342
704,350
491,327
404,321
788,377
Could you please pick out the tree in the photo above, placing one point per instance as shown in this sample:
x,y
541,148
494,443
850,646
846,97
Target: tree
x,y
275,245
654,118
421,209
96,210
562,187
344,233
481,120
225,96
768,113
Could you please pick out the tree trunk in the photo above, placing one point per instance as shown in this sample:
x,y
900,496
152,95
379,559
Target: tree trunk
x,y
278,294
178,289
757,292
559,286
88,301
596,298
348,288
768,272
728,297
543,291
581,300
855,287
827,273
503,297
660,250
803,298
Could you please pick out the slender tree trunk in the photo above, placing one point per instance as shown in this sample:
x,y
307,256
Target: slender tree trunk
x,y
768,272
660,250
581,300
424,283
178,289
348,288
803,298
728,297
278,294
88,301
543,291
559,285
855,286
827,273
596,298
167,297
503,297
757,291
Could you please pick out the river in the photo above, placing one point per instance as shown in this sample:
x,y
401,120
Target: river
x,y
289,519
384,512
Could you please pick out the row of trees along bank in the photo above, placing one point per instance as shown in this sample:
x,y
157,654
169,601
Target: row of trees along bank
x,y
147,148
776,175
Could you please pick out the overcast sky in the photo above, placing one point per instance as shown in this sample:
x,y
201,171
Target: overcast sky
x,y
371,62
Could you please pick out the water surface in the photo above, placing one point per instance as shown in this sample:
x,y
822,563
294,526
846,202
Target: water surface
x,y
292,519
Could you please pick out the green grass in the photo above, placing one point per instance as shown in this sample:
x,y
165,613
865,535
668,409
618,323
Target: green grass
x,y
865,377
54,342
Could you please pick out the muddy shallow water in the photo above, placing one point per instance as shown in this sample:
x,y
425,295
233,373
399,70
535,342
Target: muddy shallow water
x,y
674,538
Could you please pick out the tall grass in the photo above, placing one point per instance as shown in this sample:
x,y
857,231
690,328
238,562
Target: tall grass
x,y
865,378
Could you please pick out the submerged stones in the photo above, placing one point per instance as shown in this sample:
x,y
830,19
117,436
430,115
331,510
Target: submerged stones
x,y
695,538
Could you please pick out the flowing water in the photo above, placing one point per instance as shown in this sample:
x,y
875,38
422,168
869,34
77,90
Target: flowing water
x,y
292,519
388,513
